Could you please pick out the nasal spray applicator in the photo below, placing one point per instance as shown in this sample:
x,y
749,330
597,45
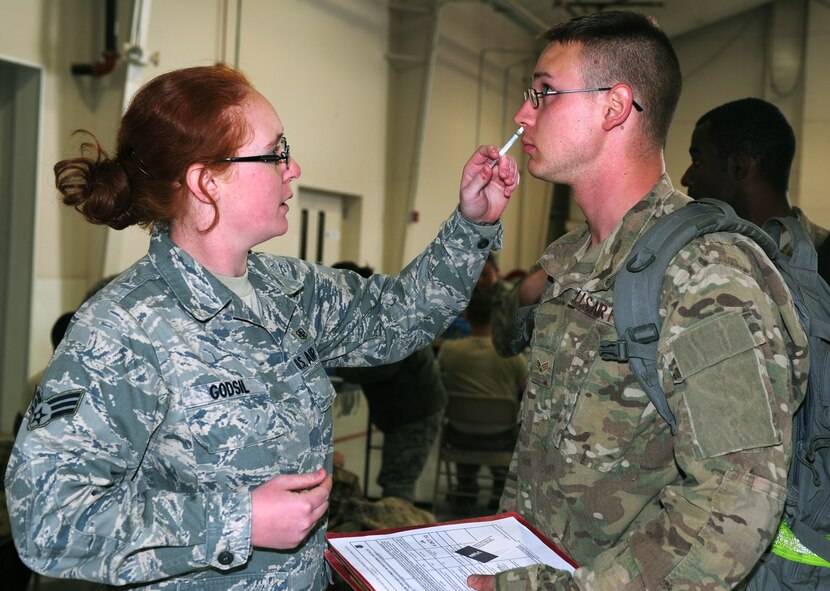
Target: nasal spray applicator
x,y
507,146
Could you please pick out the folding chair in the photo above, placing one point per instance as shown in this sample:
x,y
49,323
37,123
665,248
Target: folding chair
x,y
483,414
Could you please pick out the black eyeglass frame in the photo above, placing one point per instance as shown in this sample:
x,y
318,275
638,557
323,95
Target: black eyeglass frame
x,y
534,96
272,158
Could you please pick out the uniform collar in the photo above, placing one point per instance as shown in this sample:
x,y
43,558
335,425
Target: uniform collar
x,y
199,292
569,262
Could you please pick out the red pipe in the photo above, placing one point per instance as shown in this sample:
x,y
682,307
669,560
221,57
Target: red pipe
x,y
110,55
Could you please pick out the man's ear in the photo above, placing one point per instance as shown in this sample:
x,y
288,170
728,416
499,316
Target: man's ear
x,y
200,182
739,164
618,107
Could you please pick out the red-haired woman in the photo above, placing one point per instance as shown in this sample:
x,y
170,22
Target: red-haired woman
x,y
181,435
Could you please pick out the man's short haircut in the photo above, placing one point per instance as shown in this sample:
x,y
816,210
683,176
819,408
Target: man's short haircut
x,y
628,47
760,130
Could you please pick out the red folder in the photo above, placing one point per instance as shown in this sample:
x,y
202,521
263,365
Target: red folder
x,y
352,576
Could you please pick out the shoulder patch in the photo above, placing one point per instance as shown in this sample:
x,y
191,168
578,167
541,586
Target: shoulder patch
x,y
43,411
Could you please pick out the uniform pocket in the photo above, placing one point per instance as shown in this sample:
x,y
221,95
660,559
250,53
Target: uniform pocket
x,y
235,414
726,392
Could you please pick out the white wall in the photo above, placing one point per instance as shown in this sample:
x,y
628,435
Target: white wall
x,y
455,124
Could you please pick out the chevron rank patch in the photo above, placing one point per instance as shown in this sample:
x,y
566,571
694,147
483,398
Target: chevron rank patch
x,y
44,411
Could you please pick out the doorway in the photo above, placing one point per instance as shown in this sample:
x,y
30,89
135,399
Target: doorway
x,y
19,133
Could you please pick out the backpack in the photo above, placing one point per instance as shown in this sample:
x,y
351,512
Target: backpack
x,y
799,558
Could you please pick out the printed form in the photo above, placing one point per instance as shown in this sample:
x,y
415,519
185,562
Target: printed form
x,y
440,557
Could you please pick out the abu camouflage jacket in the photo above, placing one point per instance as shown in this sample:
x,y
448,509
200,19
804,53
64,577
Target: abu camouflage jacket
x,y
596,467
168,401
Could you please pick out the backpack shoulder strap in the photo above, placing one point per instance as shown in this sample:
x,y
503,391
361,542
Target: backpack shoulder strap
x,y
802,277
638,287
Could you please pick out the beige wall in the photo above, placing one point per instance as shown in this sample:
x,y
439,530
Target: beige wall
x,y
751,55
51,36
323,63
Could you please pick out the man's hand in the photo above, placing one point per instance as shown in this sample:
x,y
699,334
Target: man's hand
x,y
287,507
485,191
481,582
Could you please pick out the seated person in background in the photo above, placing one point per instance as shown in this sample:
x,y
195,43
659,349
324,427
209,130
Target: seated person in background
x,y
405,402
471,366
489,283
742,152
515,276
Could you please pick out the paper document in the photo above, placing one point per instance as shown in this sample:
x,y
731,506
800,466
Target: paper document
x,y
439,557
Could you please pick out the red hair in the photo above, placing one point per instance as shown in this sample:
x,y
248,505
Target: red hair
x,y
175,120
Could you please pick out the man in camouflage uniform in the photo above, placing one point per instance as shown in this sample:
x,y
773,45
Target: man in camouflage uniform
x,y
181,437
596,468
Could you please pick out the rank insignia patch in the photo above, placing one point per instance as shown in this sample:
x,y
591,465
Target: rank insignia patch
x,y
44,411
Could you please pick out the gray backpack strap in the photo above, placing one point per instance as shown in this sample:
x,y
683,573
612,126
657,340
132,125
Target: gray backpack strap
x,y
638,287
802,274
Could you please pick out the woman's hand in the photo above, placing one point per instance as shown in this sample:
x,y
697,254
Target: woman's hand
x,y
485,191
286,508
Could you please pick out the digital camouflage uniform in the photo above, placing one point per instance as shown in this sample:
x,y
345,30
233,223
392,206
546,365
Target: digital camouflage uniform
x,y
597,469
169,400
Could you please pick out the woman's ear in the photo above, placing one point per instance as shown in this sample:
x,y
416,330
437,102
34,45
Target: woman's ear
x,y
618,107
201,182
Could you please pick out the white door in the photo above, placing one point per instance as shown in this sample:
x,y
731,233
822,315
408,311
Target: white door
x,y
319,224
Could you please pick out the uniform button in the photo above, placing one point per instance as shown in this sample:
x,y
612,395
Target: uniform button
x,y
483,243
225,558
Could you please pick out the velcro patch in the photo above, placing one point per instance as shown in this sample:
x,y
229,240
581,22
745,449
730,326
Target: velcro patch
x,y
729,407
43,411
306,358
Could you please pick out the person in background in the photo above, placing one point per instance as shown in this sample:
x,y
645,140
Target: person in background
x,y
181,435
824,260
490,283
405,401
471,366
636,503
742,153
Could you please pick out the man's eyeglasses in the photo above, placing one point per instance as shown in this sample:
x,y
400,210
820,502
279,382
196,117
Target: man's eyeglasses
x,y
280,154
534,96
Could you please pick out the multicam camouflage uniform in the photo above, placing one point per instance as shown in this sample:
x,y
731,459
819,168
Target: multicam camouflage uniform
x,y
169,400
597,469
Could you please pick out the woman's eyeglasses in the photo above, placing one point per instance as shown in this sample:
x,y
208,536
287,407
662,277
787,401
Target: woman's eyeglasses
x,y
280,154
